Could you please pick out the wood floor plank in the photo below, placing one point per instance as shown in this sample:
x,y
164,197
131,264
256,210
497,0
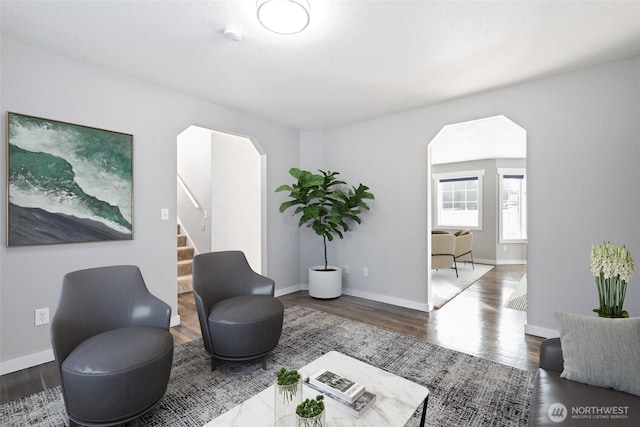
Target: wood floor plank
x,y
475,322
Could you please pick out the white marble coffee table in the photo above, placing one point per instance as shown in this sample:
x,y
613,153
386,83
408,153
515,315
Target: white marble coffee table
x,y
396,398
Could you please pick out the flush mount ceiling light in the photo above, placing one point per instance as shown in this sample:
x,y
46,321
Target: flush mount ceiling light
x,y
283,16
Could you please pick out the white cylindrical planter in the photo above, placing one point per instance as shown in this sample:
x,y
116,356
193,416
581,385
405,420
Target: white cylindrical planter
x,y
325,284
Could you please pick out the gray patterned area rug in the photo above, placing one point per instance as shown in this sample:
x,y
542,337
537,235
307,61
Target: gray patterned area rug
x,y
464,390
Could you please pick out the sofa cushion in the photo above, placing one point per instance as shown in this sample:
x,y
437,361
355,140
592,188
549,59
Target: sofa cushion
x,y
601,352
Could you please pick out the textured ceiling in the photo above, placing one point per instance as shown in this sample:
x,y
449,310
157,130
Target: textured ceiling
x,y
357,59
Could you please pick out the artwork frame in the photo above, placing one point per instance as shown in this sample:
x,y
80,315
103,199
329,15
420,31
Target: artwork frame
x,y
67,183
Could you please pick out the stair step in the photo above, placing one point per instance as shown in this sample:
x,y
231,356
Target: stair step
x,y
185,267
185,252
185,284
185,263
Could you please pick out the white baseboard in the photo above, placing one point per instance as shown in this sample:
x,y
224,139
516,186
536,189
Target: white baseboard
x,y
387,299
289,290
25,362
360,294
175,321
539,331
511,262
500,262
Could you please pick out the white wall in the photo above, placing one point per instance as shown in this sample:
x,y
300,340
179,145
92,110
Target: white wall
x,y
583,165
486,248
194,168
44,84
312,250
581,126
223,172
236,193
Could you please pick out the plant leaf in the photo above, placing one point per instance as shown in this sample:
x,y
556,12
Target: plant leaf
x,y
284,187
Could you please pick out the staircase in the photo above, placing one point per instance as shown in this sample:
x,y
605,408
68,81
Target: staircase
x,y
185,264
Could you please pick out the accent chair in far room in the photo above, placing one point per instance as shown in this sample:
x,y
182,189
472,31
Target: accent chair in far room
x,y
443,247
464,246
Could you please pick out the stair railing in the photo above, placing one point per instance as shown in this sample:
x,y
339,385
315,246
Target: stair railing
x,y
188,192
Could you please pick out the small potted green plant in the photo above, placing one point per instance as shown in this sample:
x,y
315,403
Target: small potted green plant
x,y
310,413
326,205
288,393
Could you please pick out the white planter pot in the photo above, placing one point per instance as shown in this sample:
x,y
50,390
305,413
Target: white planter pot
x,y
325,284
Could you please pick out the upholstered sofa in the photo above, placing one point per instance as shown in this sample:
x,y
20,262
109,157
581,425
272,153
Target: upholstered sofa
x,y
559,401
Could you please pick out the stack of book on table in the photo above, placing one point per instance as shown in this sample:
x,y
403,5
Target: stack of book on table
x,y
341,391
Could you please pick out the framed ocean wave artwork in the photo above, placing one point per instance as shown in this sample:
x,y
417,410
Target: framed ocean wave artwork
x,y
67,183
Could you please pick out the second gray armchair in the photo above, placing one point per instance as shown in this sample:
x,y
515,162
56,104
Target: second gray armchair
x,y
239,316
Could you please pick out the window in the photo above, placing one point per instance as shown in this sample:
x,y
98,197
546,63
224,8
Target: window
x,y
513,205
459,199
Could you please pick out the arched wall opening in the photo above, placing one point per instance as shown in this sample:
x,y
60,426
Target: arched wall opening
x,y
221,193
490,149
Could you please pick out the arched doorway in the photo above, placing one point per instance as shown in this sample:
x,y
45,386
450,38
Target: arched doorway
x,y
221,193
471,165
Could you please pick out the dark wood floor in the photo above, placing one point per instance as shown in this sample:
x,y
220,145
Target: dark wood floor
x,y
475,322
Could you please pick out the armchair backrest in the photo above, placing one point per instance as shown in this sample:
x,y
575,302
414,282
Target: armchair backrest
x,y
100,299
226,274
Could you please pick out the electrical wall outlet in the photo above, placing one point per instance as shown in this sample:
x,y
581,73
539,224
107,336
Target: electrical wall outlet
x,y
365,271
42,316
346,269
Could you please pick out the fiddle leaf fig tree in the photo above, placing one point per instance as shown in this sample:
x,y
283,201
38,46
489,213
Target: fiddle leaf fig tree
x,y
325,203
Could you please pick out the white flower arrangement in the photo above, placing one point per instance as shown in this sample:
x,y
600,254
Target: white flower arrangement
x,y
612,267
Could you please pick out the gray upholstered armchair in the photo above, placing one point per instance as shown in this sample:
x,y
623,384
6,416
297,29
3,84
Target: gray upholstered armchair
x,y
239,317
112,345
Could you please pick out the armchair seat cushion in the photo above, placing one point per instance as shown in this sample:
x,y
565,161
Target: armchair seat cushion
x,y
135,375
246,326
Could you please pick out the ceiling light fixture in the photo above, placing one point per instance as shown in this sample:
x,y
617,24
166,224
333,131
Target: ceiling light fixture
x,y
283,16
